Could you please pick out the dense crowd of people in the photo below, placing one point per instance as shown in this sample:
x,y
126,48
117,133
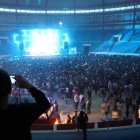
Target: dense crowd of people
x,y
115,78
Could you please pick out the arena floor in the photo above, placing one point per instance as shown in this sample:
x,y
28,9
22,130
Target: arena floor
x,y
94,116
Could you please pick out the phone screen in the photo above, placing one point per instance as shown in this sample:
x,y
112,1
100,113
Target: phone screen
x,y
13,81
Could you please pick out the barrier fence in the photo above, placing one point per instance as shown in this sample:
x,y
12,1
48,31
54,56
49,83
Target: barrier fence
x,y
96,125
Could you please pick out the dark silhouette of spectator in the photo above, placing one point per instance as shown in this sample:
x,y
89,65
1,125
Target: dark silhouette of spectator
x,y
128,103
16,120
88,105
68,119
76,101
83,104
89,92
106,117
74,118
82,120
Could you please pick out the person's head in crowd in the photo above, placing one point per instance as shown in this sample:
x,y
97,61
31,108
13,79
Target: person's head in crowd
x,y
75,113
81,113
106,112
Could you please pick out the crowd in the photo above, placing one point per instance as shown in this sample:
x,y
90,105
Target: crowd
x,y
115,78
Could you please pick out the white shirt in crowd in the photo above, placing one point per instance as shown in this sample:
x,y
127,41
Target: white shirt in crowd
x,y
81,97
107,117
76,98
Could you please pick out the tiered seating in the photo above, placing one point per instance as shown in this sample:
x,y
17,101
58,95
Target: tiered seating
x,y
128,44
90,125
105,47
43,124
125,47
115,123
138,121
42,127
45,121
66,126
39,125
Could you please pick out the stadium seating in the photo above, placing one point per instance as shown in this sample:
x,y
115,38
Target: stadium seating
x,y
115,123
66,126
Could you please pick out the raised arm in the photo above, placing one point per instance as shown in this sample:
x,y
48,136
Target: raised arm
x,y
33,111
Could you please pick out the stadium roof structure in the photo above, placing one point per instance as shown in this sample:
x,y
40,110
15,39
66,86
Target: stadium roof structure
x,y
64,4
73,13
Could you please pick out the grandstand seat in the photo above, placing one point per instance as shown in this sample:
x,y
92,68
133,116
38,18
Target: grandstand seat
x,y
66,126
115,123
90,125
41,127
45,121
138,121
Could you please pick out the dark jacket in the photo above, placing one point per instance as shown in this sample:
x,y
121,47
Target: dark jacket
x,y
82,120
16,120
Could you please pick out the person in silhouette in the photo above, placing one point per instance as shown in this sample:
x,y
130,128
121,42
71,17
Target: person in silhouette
x,y
16,119
82,120
74,117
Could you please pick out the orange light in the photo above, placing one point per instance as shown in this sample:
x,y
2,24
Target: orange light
x,y
56,122
139,113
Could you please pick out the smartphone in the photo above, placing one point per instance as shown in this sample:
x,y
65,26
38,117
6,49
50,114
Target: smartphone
x,y
13,81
